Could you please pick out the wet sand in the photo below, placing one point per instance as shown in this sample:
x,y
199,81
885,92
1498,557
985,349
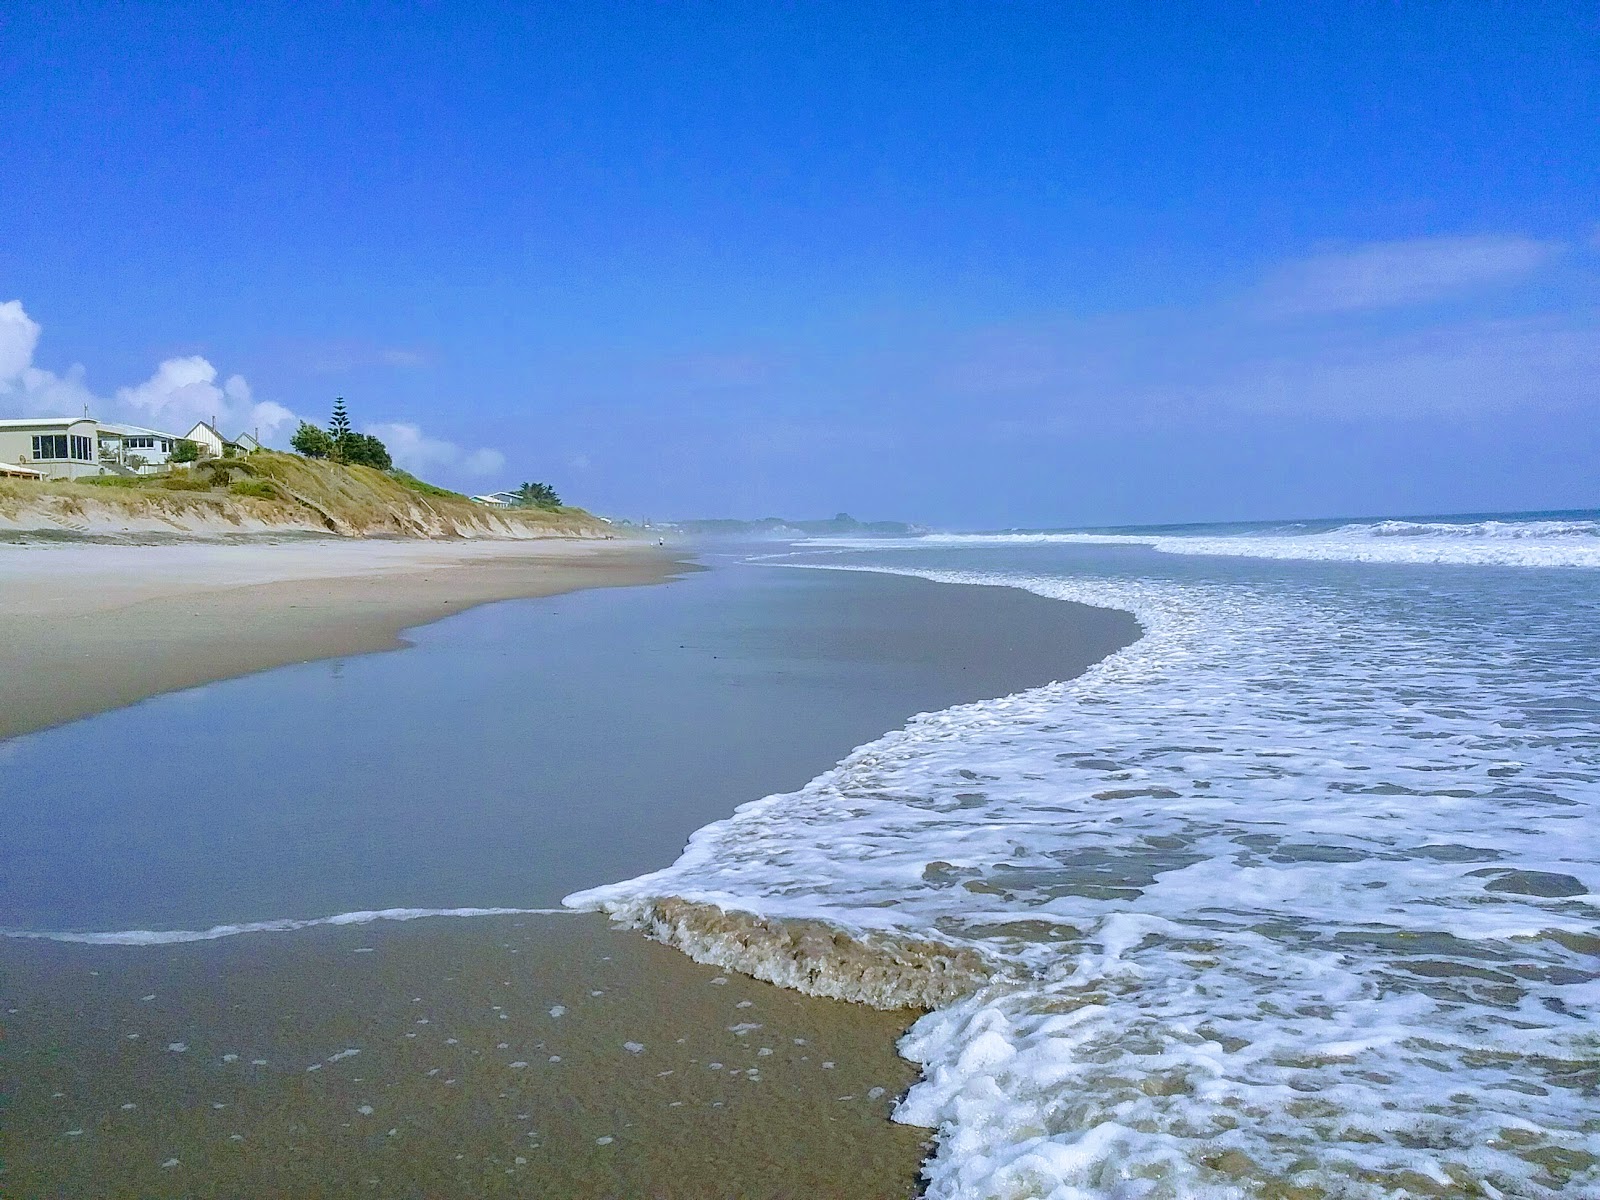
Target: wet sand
x,y
755,699
94,626
658,1078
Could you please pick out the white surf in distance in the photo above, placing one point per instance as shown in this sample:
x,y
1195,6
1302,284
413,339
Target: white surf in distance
x,y
1502,542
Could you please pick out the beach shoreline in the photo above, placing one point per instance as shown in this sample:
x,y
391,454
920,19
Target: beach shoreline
x,y
97,626
769,1093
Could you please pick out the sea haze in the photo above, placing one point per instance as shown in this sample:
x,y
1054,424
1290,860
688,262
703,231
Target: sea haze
x,y
1299,890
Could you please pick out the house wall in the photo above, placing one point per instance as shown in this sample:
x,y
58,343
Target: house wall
x,y
120,446
16,446
210,443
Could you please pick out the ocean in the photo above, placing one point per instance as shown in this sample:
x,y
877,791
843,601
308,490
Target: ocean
x,y
1295,895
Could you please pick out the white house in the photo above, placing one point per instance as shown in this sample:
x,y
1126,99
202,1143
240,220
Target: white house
x,y
214,445
136,448
205,435
496,499
56,447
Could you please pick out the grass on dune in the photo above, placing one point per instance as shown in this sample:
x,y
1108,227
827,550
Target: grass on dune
x,y
273,488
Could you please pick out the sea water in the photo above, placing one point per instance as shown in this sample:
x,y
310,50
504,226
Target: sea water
x,y
1297,895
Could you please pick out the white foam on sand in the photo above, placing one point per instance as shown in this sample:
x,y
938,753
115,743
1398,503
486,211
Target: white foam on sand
x,y
1300,890
168,937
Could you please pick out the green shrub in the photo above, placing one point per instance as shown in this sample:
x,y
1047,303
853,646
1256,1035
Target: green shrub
x,y
185,483
183,450
122,481
311,442
536,495
364,450
261,489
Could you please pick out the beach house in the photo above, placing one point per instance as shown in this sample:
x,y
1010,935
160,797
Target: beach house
x,y
134,449
214,445
496,499
55,447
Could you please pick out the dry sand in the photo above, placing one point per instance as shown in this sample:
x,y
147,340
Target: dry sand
x,y
94,626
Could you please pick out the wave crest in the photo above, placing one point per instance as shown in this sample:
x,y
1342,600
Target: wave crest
x,y
819,959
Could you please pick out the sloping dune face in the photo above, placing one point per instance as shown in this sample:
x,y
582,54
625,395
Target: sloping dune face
x,y
1297,895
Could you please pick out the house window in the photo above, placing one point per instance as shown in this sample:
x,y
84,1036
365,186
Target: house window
x,y
82,448
50,445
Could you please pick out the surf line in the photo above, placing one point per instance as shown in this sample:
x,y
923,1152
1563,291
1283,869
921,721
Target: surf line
x,y
168,937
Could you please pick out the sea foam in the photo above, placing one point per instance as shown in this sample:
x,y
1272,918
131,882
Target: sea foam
x,y
1500,543
168,937
1297,892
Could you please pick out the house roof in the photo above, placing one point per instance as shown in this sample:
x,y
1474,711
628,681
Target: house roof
x,y
27,472
134,430
214,431
42,422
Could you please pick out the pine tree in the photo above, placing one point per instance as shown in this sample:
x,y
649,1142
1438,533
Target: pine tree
x,y
339,427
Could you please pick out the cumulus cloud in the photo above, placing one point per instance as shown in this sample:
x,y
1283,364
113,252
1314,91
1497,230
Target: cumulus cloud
x,y
19,334
179,393
1389,274
185,390
415,451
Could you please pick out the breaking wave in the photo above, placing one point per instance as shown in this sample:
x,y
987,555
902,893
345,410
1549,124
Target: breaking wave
x,y
1297,895
1503,543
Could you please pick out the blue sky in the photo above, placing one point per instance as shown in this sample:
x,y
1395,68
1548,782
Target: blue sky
x,y
978,265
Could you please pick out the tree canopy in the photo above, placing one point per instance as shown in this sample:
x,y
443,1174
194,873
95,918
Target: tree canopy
x,y
536,495
312,441
340,443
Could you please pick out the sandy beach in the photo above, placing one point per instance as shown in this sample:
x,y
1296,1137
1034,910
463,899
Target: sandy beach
x,y
94,626
519,1054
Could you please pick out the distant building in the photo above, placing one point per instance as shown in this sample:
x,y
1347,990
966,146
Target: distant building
x,y
496,499
247,443
56,447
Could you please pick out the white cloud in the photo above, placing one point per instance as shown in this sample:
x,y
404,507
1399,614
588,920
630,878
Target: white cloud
x,y
398,356
336,357
1454,371
179,393
19,334
415,451
1364,358
1389,274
